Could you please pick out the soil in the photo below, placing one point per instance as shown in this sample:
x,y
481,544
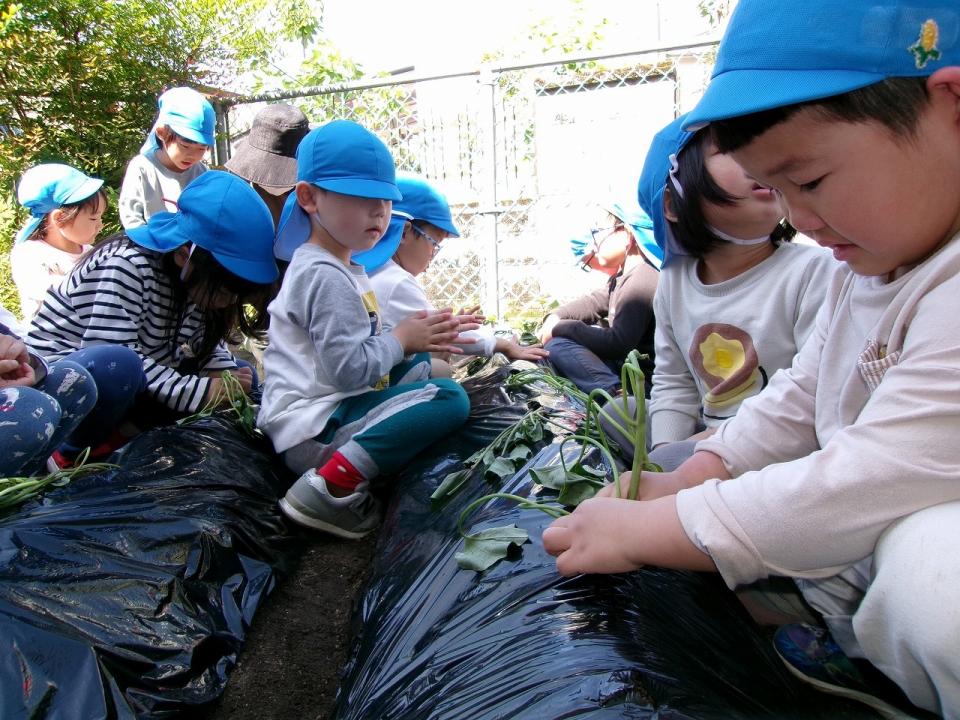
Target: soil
x,y
300,639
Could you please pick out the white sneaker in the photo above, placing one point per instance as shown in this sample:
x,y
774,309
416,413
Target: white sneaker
x,y
309,503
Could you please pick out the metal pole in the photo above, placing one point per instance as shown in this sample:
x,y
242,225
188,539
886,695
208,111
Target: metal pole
x,y
492,270
221,151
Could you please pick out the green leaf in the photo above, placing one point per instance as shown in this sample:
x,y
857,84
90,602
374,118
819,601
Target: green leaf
x,y
484,548
575,493
588,471
500,468
520,452
550,476
451,483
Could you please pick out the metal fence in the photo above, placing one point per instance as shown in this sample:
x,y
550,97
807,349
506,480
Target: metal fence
x,y
526,154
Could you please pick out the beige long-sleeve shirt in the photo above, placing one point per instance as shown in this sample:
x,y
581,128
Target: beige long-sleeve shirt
x,y
862,430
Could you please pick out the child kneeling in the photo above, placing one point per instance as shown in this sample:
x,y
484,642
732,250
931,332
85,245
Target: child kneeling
x,y
327,405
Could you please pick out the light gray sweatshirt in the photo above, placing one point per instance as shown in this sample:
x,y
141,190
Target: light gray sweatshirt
x,y
325,345
719,344
149,188
860,432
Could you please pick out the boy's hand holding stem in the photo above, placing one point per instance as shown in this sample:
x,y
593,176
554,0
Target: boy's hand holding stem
x,y
701,466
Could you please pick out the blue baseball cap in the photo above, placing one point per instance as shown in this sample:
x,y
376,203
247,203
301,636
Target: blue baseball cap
x,y
44,188
341,156
187,113
660,160
345,157
222,214
830,47
421,201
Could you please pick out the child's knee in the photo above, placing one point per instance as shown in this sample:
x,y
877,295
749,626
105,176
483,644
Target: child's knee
x,y
909,619
72,386
456,402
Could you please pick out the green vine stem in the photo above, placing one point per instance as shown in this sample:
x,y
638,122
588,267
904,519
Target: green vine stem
x,y
522,502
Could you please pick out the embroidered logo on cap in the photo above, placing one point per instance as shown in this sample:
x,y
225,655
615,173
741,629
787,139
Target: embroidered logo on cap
x,y
926,48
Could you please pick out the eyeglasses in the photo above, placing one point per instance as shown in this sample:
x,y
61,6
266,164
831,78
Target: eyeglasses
x,y
421,233
599,236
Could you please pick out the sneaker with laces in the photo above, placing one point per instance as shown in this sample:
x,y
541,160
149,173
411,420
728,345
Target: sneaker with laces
x,y
812,655
309,503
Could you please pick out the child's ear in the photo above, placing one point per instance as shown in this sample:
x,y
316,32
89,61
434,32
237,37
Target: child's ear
x,y
668,212
56,217
305,196
407,228
946,80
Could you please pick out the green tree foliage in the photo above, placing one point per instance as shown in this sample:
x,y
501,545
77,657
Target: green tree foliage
x,y
79,78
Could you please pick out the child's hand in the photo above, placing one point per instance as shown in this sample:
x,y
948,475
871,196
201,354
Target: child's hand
x,y
244,376
652,485
15,369
545,333
598,537
428,332
515,351
217,393
474,312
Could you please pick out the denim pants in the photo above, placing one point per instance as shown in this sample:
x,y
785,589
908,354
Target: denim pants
x,y
35,420
586,369
117,371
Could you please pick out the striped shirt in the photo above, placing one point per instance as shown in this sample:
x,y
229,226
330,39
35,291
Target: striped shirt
x,y
122,295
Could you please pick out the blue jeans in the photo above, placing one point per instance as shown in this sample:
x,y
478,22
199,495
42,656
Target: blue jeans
x,y
35,420
586,369
118,374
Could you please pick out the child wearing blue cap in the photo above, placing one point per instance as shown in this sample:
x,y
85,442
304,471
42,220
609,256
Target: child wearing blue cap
x,y
66,215
736,298
327,404
171,156
420,222
172,291
589,338
842,473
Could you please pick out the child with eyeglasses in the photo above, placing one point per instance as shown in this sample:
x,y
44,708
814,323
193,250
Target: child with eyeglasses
x,y
170,159
419,223
589,338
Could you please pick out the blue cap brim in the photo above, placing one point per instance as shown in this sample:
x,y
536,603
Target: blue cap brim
x,y
162,233
375,189
743,92
192,134
384,249
293,230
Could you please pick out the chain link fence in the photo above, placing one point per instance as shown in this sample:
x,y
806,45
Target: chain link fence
x,y
527,155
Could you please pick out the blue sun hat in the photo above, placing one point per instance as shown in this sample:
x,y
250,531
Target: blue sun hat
x,y
834,48
640,225
222,214
187,113
44,188
421,201
658,169
341,156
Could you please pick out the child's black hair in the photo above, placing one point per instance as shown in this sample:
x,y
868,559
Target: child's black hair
x,y
70,211
896,103
691,228
247,311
